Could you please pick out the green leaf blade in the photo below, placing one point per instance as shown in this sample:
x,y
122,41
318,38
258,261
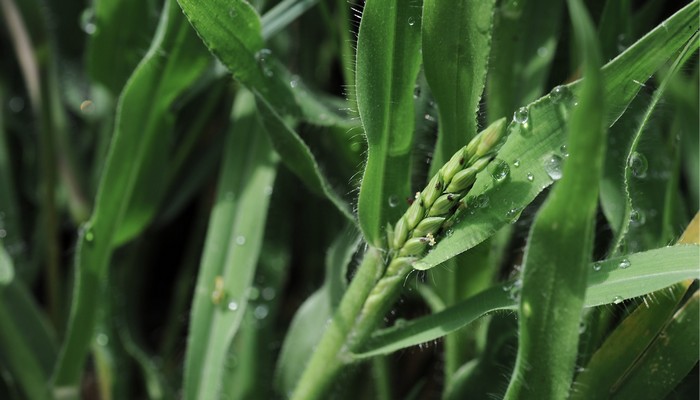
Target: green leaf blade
x,y
387,66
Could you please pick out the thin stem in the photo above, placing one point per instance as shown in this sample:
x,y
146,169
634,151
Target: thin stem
x,y
332,355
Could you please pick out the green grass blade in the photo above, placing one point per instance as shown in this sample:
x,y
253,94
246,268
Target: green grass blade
x,y
668,359
297,156
456,46
113,52
241,50
607,284
543,134
284,13
231,251
560,244
612,361
519,66
144,119
635,164
388,59
28,348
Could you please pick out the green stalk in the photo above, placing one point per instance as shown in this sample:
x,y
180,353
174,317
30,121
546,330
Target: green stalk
x,y
332,353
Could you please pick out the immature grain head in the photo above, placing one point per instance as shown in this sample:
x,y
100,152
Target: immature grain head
x,y
417,228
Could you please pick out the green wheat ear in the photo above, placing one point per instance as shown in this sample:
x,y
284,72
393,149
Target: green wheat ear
x,y
441,198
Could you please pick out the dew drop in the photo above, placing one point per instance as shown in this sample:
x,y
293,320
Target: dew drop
x,y
416,91
553,167
624,263
560,94
294,82
87,21
268,293
261,311
393,201
516,163
16,104
263,59
449,232
513,214
637,217
521,115
564,150
411,21
530,177
638,165
617,300
89,235
481,201
597,266
232,306
102,339
500,170
240,240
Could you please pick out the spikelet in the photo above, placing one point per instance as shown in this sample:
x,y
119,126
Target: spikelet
x,y
416,229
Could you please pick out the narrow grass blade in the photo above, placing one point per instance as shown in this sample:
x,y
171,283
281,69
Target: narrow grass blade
x,y
134,162
283,14
607,284
297,156
560,243
635,164
519,66
27,346
231,251
388,59
541,133
668,359
456,44
613,360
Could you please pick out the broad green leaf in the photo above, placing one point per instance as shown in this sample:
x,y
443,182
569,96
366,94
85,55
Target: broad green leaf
x,y
28,347
668,359
309,321
388,59
131,173
231,251
113,52
560,244
520,63
543,133
232,32
607,284
456,44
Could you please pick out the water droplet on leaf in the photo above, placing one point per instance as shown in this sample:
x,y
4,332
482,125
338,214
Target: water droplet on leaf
x,y
393,201
617,300
553,166
232,305
624,263
521,115
240,240
411,21
637,217
560,95
263,59
500,170
638,165
516,163
530,177
597,266
564,150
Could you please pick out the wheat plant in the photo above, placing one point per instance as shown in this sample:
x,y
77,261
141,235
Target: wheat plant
x,y
382,199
